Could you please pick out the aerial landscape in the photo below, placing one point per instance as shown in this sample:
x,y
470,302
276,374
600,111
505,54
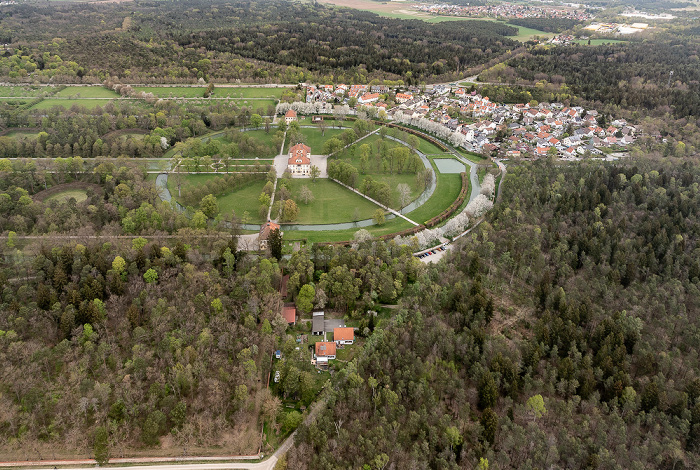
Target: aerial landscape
x,y
350,234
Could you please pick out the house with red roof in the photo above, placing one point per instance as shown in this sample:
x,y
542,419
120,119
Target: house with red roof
x,y
290,116
323,352
299,163
368,98
264,233
343,336
289,312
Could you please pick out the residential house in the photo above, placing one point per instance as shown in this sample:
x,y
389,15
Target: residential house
x,y
264,233
323,352
289,312
368,98
403,97
343,336
290,116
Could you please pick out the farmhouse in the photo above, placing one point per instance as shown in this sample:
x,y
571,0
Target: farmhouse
x,y
299,163
264,234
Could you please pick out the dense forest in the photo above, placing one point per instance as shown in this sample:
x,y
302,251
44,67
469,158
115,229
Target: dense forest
x,y
242,40
575,307
632,75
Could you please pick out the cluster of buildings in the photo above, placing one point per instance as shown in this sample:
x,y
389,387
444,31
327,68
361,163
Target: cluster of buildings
x,y
323,351
616,28
364,94
479,125
505,10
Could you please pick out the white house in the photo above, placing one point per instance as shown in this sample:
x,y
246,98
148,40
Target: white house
x,y
299,163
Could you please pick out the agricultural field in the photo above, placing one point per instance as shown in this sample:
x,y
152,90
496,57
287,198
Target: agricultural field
x,y
598,42
332,203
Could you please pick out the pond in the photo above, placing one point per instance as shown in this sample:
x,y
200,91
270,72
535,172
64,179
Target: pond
x,y
449,165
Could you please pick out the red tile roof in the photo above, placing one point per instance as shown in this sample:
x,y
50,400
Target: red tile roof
x,y
344,334
325,348
266,228
290,314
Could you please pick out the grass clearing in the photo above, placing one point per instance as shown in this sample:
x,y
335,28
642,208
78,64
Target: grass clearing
x,y
332,203
86,92
22,134
78,194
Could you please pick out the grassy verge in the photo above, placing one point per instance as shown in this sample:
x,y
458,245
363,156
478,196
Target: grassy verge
x,y
446,191
394,225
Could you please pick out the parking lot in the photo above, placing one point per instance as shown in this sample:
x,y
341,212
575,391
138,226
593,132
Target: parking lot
x,y
433,254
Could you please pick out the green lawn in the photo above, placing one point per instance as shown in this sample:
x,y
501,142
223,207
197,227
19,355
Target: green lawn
x,y
86,92
258,106
332,203
242,200
78,194
173,91
393,180
446,192
314,139
472,157
264,137
249,92
429,148
19,134
89,104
